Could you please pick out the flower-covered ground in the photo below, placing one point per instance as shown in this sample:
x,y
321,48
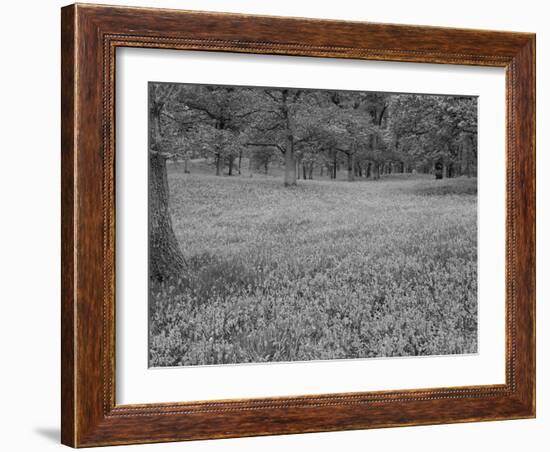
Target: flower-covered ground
x,y
323,270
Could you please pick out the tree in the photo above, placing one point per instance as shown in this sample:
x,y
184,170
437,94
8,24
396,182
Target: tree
x,y
351,139
222,145
368,133
221,112
166,260
261,157
284,122
350,126
436,132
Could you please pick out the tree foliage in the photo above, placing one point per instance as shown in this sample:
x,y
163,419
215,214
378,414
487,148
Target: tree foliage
x,y
366,134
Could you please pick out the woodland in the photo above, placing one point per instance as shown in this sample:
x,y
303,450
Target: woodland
x,y
305,132
291,224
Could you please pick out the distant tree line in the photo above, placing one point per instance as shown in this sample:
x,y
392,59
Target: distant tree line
x,y
308,133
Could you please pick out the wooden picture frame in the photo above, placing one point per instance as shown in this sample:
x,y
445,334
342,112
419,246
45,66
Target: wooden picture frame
x,y
90,35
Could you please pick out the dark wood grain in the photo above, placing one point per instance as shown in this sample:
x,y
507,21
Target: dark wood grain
x,y
68,147
90,36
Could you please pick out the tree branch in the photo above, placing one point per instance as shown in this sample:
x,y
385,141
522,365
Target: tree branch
x,y
382,115
202,109
267,145
176,120
166,155
348,152
244,115
272,96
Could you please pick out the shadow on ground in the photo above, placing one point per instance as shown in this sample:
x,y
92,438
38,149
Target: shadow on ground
x,y
50,433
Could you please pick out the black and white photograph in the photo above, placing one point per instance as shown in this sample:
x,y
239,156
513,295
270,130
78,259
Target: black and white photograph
x,y
292,224
275,226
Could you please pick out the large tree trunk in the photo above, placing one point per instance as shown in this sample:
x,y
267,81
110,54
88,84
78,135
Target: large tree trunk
x,y
439,170
165,258
351,175
471,168
186,165
290,166
240,160
218,164
290,157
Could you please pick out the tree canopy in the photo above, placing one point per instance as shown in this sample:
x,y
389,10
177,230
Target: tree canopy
x,y
368,134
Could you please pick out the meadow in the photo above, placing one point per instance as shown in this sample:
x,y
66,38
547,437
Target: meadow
x,y
322,270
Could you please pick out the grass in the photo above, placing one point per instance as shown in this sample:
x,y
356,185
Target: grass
x,y
324,270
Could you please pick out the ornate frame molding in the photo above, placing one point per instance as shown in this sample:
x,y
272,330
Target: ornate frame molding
x,y
90,37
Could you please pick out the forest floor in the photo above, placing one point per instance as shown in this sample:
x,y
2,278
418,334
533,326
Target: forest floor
x,y
323,270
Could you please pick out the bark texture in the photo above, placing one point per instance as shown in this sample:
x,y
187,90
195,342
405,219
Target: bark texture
x,y
290,166
165,258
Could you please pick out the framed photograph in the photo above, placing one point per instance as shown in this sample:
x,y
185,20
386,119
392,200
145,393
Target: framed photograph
x,y
280,225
